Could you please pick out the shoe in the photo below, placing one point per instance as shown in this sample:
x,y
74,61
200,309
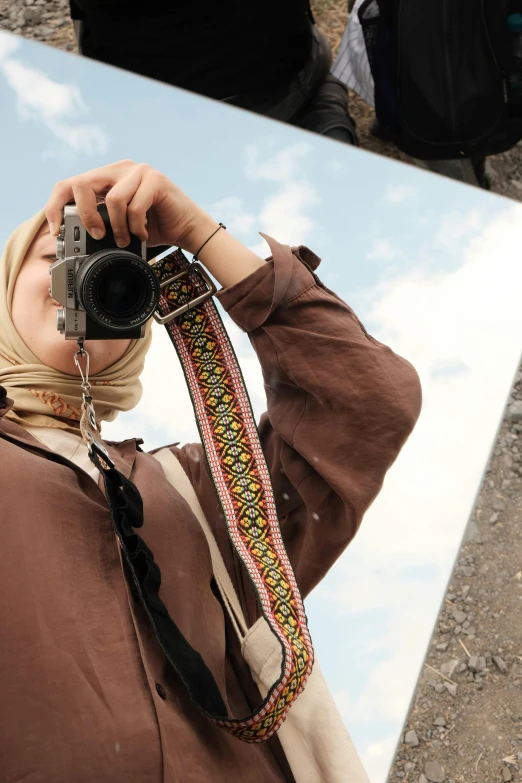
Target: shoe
x,y
327,113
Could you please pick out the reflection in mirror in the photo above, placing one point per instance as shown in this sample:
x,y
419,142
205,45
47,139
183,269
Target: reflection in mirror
x,y
425,263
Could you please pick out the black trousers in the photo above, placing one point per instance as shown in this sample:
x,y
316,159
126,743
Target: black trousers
x,y
313,100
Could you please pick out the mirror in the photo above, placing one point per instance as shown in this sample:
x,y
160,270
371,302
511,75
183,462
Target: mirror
x,y
430,267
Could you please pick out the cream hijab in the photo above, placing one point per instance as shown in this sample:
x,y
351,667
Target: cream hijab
x,y
46,397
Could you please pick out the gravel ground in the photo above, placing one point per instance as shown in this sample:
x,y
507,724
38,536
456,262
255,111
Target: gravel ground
x,y
465,720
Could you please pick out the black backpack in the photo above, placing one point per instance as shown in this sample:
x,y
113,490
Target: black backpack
x,y
447,73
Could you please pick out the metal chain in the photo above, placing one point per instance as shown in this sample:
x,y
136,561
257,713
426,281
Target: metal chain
x,y
81,353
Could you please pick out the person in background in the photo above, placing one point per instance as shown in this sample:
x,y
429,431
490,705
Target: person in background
x,y
352,68
269,57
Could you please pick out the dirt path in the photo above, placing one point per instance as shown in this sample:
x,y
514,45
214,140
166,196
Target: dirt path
x,y
465,720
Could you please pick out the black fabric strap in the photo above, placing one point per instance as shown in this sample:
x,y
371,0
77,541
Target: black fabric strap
x,y
126,510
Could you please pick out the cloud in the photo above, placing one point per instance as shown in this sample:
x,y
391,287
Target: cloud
x,y
382,250
398,194
459,226
8,44
234,215
284,212
376,756
280,167
452,326
58,105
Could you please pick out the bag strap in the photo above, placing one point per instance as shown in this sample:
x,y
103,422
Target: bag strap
x,y
180,481
242,480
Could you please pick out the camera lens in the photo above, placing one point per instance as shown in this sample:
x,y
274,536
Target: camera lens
x,y
117,289
121,291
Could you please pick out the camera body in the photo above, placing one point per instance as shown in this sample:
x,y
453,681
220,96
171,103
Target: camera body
x,y
106,292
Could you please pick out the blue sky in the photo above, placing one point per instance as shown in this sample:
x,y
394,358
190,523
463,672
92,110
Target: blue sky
x,y
423,261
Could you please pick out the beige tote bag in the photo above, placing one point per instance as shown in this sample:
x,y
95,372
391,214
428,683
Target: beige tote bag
x,y
315,740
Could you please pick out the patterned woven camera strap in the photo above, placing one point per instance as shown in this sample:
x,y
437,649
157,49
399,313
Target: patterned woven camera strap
x,y
231,442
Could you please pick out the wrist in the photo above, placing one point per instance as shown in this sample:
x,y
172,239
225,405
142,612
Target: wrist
x,y
199,230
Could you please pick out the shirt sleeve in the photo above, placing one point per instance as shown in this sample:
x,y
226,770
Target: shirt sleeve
x,y
340,406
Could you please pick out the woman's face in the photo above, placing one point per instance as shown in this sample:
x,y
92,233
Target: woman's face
x,y
34,315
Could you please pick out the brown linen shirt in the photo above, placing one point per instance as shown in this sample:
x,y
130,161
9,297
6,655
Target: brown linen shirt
x,y
86,693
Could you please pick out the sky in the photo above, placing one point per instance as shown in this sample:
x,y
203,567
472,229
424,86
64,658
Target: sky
x,y
430,266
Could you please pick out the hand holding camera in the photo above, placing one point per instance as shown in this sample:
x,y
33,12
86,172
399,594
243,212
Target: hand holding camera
x,y
108,292
101,276
140,201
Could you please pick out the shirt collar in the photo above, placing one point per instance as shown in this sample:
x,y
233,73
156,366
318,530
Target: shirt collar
x,y
123,454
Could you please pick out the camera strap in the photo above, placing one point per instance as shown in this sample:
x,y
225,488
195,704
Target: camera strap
x,y
231,442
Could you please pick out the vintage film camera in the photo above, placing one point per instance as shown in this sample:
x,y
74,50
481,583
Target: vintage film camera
x,y
106,292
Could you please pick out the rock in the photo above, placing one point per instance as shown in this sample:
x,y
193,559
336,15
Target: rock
x,y
34,16
451,688
439,688
494,518
499,663
477,663
459,617
411,738
448,667
442,647
491,172
423,779
506,774
466,571
498,505
514,411
440,721
434,772
472,533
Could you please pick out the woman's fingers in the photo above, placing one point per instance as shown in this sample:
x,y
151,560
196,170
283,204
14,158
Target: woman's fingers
x,y
143,199
60,195
87,206
118,200
98,181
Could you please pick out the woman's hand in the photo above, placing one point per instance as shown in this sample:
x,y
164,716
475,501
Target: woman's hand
x,y
139,199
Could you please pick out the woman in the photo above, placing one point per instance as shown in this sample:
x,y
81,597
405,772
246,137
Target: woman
x,y
86,691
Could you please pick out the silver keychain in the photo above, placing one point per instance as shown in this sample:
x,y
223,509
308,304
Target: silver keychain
x,y
93,442
85,385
